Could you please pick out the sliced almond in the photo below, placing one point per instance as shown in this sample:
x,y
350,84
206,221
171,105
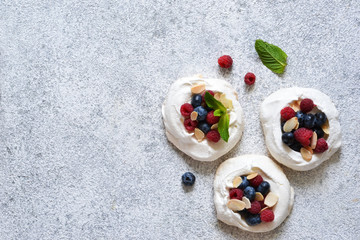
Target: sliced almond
x,y
237,181
325,127
264,209
199,134
295,105
306,154
217,96
297,125
226,102
290,124
251,176
193,116
198,88
214,126
247,202
313,140
236,205
271,199
259,196
309,149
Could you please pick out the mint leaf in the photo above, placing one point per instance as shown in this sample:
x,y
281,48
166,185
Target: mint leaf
x,y
218,112
223,126
271,56
213,103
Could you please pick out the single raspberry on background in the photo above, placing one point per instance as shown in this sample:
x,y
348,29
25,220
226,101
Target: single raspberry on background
x,y
190,125
186,109
255,207
306,105
303,135
213,135
255,182
211,119
249,78
225,61
267,215
236,193
287,113
321,146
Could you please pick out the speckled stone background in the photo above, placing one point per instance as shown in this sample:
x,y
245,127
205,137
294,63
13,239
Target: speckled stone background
x,y
82,145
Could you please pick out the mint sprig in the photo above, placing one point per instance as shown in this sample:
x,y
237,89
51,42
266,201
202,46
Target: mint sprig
x,y
220,111
271,56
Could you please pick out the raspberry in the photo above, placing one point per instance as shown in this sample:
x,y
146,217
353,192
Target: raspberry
x,y
225,61
303,135
190,125
213,135
287,113
236,193
211,119
186,109
262,204
203,94
255,207
249,78
306,105
321,146
267,215
255,182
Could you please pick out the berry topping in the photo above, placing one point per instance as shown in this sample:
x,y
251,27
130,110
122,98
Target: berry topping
x,y
249,192
201,113
255,207
296,146
319,132
288,138
263,188
204,127
244,183
253,219
236,193
190,125
250,78
287,113
211,119
303,135
300,116
186,109
321,146
203,94
213,135
255,182
262,204
320,119
196,100
309,121
306,105
267,215
188,179
225,61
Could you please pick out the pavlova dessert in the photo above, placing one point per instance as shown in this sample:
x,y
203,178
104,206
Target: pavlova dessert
x,y
301,127
203,117
252,193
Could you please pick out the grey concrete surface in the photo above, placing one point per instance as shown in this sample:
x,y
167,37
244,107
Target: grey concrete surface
x,y
82,146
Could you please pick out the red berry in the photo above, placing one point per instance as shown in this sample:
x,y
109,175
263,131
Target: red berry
x,y
203,94
306,105
190,125
321,146
267,215
250,78
211,119
303,135
236,193
213,135
262,204
255,182
255,207
225,61
186,109
287,113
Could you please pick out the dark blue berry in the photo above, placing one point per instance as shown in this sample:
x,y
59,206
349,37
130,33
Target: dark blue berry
x,y
300,116
296,146
263,188
201,113
188,179
319,132
282,126
204,127
249,192
244,183
288,138
253,219
196,100
309,121
320,119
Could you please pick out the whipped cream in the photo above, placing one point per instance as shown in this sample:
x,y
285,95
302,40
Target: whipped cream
x,y
270,172
180,93
270,120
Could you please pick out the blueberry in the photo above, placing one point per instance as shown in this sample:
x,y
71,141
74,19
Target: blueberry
x,y
201,113
288,138
253,219
320,119
204,127
196,100
309,121
319,132
296,146
244,183
300,116
263,188
249,192
188,179
282,126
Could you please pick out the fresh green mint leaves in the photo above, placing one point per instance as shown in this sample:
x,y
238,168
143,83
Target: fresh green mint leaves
x,y
271,56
